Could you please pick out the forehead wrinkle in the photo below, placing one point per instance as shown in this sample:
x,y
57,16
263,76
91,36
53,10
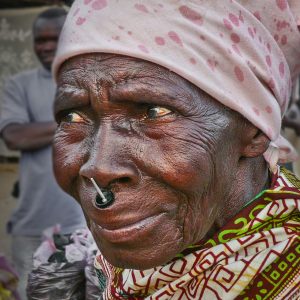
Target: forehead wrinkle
x,y
121,69
115,78
113,75
143,78
70,74
145,90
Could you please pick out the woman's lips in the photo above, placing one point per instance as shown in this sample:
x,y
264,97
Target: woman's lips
x,y
128,231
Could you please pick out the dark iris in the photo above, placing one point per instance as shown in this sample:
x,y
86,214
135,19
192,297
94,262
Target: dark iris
x,y
157,112
153,112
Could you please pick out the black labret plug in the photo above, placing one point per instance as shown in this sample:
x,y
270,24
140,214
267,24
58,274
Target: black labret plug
x,y
104,198
109,196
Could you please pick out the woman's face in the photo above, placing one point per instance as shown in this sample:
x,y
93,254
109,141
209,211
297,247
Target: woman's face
x,y
166,150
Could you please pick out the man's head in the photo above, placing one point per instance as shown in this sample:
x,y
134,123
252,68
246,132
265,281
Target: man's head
x,y
46,30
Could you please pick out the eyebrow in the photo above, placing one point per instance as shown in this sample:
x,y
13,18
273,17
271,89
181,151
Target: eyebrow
x,y
70,97
142,94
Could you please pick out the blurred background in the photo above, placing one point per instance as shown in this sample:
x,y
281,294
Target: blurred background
x,y
16,54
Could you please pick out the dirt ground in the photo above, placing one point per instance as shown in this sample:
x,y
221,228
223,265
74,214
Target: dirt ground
x,y
8,175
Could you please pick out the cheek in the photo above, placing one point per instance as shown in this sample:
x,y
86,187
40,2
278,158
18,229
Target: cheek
x,y
190,157
184,162
200,217
38,49
69,153
204,211
182,157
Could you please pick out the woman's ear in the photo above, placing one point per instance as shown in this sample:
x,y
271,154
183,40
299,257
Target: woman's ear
x,y
255,142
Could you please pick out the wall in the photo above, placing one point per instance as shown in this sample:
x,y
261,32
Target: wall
x,y
16,52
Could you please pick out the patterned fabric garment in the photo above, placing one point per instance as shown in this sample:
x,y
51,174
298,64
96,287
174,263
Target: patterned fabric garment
x,y
254,256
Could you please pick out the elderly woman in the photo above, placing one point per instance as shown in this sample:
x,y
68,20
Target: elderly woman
x,y
169,115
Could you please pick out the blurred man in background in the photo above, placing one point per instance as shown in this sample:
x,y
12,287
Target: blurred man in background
x,y
27,124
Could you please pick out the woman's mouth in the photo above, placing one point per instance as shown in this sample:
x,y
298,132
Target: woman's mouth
x,y
128,231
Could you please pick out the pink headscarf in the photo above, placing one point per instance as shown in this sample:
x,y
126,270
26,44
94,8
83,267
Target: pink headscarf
x,y
244,53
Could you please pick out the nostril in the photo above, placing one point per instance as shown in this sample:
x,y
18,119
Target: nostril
x,y
124,180
119,180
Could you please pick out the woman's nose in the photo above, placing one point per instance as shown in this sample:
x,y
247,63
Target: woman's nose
x,y
110,162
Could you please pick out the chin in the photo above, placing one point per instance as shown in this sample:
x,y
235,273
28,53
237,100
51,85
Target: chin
x,y
142,245
47,65
139,256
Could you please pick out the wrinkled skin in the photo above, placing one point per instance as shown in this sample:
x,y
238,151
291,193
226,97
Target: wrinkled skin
x,y
45,38
179,163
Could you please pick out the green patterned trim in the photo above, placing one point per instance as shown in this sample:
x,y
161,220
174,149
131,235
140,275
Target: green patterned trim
x,y
292,178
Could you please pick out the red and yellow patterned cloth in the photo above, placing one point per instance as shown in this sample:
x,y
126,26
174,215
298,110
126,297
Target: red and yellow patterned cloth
x,y
254,256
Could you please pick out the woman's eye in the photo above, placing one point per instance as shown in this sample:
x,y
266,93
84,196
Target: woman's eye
x,y
157,112
73,117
